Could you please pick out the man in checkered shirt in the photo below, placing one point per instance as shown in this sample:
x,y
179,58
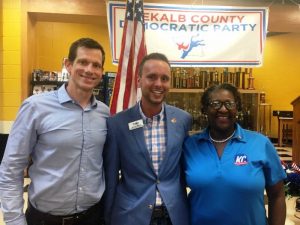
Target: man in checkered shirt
x,y
144,183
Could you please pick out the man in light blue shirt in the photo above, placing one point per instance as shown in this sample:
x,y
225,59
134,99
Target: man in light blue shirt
x,y
63,132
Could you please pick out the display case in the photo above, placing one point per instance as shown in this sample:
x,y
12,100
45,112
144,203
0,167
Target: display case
x,y
190,101
45,81
188,85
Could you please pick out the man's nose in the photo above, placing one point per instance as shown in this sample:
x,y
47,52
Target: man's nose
x,y
89,68
158,82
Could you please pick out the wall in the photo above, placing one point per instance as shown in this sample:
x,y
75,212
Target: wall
x,y
1,57
10,75
280,75
279,72
45,31
59,35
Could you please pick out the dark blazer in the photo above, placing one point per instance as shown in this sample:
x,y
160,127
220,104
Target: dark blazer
x,y
130,199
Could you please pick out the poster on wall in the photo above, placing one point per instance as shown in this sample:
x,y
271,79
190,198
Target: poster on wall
x,y
197,35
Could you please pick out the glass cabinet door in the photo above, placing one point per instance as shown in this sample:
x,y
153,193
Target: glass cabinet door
x,y
190,101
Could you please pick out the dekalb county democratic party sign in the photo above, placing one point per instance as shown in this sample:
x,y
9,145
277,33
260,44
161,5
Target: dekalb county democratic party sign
x,y
193,35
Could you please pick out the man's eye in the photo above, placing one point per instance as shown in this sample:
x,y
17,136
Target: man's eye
x,y
151,77
83,63
165,78
98,66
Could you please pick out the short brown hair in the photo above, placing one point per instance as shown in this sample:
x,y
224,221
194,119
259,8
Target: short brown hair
x,y
85,42
155,56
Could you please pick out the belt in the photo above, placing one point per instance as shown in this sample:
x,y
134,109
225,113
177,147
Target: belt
x,y
160,212
64,219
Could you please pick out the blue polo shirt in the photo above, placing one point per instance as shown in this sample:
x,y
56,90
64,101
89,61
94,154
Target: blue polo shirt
x,y
230,190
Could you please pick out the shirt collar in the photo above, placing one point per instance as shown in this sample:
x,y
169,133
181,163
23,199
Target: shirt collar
x,y
159,116
64,97
93,101
238,135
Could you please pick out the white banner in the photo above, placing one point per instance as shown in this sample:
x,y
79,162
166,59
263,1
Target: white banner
x,y
193,35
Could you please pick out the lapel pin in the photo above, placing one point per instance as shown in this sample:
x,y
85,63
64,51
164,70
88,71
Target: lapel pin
x,y
173,120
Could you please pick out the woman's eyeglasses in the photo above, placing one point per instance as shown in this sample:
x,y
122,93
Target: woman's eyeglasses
x,y
218,104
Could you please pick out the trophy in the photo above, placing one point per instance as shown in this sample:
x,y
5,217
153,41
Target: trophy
x,y
216,77
243,77
238,77
250,81
184,78
197,82
176,78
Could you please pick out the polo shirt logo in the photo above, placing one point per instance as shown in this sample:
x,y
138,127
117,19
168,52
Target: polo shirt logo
x,y
240,160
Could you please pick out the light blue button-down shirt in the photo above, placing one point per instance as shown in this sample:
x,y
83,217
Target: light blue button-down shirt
x,y
65,143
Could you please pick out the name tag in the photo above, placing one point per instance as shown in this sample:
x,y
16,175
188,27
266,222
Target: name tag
x,y
135,124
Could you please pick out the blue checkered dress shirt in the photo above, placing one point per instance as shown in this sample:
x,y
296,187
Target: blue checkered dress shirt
x,y
155,137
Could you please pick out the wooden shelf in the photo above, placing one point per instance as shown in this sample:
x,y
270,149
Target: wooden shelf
x,y
47,82
185,90
197,90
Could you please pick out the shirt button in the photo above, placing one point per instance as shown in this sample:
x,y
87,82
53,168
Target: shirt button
x,y
157,181
150,206
80,189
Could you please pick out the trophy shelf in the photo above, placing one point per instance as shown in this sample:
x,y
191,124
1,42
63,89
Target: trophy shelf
x,y
190,100
201,90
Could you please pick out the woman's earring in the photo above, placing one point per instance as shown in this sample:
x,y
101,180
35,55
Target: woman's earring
x,y
239,115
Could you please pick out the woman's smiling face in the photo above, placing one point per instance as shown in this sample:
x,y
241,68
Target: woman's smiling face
x,y
222,118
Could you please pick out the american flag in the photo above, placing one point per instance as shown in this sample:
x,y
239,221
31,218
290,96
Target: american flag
x,y
133,49
295,167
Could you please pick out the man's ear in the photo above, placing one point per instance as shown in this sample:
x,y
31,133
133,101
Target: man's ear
x,y
68,65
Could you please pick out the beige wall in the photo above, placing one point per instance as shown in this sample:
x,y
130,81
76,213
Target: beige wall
x,y
10,63
280,75
41,33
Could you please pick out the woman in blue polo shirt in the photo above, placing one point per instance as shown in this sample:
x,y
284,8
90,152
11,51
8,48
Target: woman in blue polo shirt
x,y
228,168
